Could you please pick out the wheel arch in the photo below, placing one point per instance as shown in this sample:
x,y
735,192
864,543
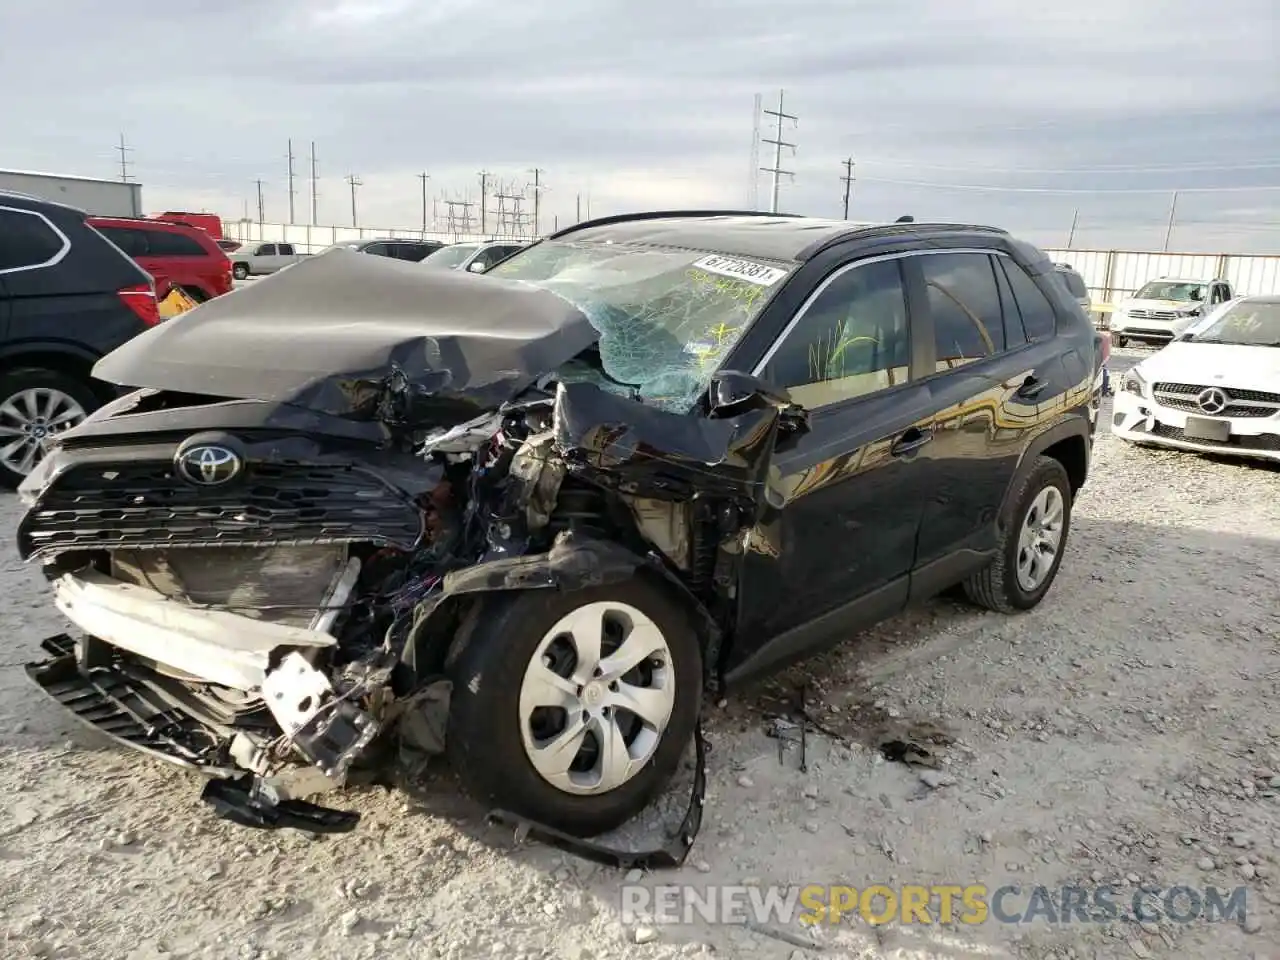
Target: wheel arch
x,y
68,359
1068,442
443,625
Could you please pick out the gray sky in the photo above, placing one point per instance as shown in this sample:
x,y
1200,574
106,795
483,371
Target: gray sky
x,y
1099,106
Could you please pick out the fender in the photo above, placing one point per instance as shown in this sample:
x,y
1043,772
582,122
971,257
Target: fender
x,y
572,563
1074,425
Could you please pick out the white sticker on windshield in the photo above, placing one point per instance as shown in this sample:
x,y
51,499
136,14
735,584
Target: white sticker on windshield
x,y
760,273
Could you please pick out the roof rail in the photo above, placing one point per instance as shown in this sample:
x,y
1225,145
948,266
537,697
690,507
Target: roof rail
x,y
663,215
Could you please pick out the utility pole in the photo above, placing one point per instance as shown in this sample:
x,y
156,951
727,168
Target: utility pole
x,y
315,187
848,183
579,213
262,214
484,193
1173,210
778,143
124,159
1075,220
424,177
355,182
291,190
753,180
537,200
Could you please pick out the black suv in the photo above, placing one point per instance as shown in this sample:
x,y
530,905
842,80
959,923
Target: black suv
x,y
67,297
528,518
412,250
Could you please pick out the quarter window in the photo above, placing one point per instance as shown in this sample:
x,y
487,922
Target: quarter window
x,y
1038,318
965,304
850,341
26,240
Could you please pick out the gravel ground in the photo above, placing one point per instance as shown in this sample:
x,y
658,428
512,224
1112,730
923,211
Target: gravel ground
x,y
1125,732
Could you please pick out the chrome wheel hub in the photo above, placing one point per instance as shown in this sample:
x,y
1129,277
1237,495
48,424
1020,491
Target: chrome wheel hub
x,y
30,420
1040,538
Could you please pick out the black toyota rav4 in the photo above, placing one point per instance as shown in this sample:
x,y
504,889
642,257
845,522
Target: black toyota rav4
x,y
361,513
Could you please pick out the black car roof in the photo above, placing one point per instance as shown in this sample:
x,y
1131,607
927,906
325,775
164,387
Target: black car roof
x,y
25,201
769,236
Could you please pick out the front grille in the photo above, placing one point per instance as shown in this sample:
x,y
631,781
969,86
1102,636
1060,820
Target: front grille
x,y
1153,314
1233,410
1270,442
143,505
1254,396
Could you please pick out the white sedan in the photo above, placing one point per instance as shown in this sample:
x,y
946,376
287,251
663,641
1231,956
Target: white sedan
x,y
1215,390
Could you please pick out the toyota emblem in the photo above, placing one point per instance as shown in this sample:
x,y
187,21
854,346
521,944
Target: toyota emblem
x,y
1213,400
209,466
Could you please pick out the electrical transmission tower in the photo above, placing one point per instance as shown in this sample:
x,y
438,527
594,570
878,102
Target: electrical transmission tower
x,y
778,143
460,223
506,215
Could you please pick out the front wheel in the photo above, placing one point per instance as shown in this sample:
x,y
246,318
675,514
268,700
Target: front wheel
x,y
1031,544
574,708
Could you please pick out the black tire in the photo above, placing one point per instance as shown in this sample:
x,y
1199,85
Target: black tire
x,y
996,587
16,381
484,742
196,294
1119,341
240,271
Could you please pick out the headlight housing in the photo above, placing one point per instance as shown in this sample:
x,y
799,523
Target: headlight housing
x,y
1134,383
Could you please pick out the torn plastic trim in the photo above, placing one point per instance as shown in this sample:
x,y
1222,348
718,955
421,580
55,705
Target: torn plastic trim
x,y
249,802
670,856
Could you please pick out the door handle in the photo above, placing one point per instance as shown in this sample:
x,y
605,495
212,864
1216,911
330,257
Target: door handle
x,y
1032,387
913,439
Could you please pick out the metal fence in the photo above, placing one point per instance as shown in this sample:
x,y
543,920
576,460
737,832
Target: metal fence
x,y
1112,275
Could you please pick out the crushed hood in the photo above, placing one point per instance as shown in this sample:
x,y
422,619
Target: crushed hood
x,y
326,334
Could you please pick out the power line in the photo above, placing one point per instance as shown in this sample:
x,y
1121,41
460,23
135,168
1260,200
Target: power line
x,y
1062,190
1106,169
354,181
124,160
848,184
292,192
778,144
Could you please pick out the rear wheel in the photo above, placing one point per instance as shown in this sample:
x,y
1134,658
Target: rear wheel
x,y
35,406
240,271
1031,545
573,709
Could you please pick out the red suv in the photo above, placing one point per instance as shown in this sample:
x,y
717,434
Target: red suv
x,y
184,256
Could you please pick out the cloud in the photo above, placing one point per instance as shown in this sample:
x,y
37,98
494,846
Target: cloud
x,y
1093,111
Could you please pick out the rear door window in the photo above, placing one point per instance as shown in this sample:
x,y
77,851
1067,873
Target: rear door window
x,y
163,243
27,241
965,304
284,249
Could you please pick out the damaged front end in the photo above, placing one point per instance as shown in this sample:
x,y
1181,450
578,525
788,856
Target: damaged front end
x,y
268,591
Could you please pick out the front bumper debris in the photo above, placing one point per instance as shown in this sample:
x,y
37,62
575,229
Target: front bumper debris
x,y
128,707
668,857
247,802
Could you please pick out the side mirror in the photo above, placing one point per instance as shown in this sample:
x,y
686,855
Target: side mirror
x,y
476,267
733,393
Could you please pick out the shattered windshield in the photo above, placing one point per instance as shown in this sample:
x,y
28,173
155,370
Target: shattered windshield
x,y
1249,323
667,316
